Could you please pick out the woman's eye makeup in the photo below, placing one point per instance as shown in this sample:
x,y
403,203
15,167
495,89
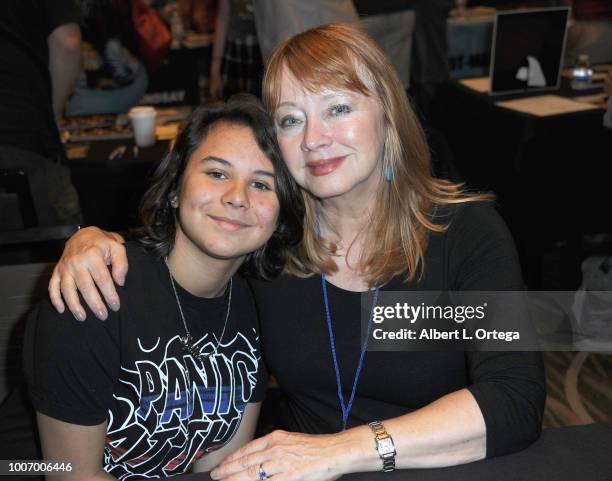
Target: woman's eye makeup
x,y
336,110
339,109
287,121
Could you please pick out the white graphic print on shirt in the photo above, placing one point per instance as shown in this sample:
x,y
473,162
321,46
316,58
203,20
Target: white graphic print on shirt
x,y
186,406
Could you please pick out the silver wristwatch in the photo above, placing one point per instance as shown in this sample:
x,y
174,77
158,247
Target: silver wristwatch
x,y
384,446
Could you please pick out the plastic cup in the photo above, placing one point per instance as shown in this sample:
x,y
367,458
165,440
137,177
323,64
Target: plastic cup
x,y
143,124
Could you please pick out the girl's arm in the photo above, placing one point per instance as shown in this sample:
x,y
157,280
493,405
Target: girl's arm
x,y
244,434
81,447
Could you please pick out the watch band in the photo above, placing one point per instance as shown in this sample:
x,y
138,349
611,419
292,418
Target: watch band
x,y
384,446
389,465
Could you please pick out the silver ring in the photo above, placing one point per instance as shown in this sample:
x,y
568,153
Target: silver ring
x,y
261,473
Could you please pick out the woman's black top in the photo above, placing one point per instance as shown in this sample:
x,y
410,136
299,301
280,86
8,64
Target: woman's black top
x,y
475,253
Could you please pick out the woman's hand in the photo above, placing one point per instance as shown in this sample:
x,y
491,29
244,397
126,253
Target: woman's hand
x,y
83,266
288,456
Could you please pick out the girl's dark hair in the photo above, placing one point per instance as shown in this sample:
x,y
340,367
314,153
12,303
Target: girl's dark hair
x,y
159,218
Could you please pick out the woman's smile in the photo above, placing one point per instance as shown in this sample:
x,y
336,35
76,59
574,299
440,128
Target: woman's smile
x,y
324,166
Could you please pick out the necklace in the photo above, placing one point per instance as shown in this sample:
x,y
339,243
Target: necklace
x,y
187,339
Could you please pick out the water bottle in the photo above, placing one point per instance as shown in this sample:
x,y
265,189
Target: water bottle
x,y
582,74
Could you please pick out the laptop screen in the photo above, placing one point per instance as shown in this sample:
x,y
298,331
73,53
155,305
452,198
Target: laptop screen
x,y
527,50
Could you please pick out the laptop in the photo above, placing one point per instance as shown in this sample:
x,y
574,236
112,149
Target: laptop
x,y
527,51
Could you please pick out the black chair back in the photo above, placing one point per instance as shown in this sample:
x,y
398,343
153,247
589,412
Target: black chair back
x,y
17,209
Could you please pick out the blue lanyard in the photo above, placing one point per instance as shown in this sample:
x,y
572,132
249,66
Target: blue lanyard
x,y
346,408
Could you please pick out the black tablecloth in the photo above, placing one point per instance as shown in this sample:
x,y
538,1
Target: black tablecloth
x,y
552,176
577,453
110,190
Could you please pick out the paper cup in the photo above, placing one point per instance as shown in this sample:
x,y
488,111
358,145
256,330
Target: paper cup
x,y
143,124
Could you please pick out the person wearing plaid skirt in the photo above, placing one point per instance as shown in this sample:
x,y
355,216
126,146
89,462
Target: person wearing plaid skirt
x,y
236,64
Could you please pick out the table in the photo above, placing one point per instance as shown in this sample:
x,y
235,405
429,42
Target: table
x,y
551,175
577,453
110,190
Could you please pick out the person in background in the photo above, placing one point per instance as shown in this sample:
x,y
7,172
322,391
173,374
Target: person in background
x,y
113,79
590,31
391,24
277,20
199,15
236,64
40,48
429,67
375,219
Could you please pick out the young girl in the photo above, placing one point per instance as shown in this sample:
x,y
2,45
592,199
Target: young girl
x,y
177,373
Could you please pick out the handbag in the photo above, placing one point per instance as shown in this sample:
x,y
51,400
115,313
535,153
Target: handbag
x,y
152,35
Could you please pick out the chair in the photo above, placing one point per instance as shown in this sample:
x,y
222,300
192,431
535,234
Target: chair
x,y
37,234
24,184
34,245
20,287
16,204
22,238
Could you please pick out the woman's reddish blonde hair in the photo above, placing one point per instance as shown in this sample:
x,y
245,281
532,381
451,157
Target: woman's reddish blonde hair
x,y
343,57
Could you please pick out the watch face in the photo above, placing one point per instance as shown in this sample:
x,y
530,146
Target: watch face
x,y
385,446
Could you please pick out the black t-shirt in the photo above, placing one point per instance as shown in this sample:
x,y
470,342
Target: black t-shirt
x,y
475,253
26,108
163,407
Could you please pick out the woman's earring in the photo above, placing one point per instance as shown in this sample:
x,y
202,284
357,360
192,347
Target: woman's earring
x,y
174,201
389,174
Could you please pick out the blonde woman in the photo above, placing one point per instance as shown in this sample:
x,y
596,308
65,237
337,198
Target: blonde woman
x,y
375,219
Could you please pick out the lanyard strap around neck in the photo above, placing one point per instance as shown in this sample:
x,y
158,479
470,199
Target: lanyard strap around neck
x,y
346,408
